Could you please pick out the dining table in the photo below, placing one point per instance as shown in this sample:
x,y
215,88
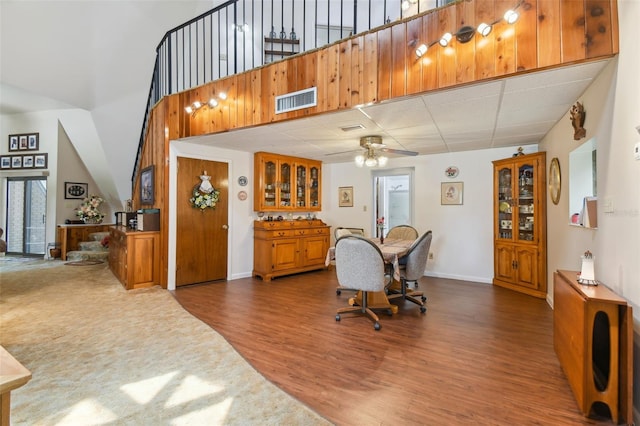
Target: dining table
x,y
392,250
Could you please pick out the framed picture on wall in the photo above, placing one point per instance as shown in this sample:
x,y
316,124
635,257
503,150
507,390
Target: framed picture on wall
x,y
451,193
75,190
346,196
24,142
27,161
5,162
13,142
146,185
40,161
16,162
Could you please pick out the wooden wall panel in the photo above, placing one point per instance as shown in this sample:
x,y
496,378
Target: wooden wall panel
x,y
333,87
344,75
415,37
599,36
322,66
357,74
573,30
429,62
256,96
526,40
465,52
548,32
446,60
384,64
370,70
505,42
485,52
399,53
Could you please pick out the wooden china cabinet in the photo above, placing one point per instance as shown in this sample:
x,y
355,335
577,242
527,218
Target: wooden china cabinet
x,y
520,224
286,183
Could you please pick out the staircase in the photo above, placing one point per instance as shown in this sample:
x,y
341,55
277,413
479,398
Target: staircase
x,y
91,250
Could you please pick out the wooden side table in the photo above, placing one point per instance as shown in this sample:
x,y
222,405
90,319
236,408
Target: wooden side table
x,y
12,376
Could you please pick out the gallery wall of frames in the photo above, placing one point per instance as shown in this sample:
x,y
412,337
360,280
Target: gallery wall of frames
x,y
23,153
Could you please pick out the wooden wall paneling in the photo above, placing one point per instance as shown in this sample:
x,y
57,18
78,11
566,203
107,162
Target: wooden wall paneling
x,y
232,102
223,112
505,41
615,46
297,80
344,75
429,62
266,93
281,87
485,55
256,96
357,74
548,32
465,52
446,61
526,39
598,26
384,64
399,51
415,37
333,86
322,71
370,68
242,98
573,30
308,76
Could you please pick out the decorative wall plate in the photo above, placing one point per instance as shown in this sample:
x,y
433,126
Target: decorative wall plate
x,y
242,180
242,195
555,180
451,171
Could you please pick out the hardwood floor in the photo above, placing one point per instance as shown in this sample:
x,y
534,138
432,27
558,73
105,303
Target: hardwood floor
x,y
480,354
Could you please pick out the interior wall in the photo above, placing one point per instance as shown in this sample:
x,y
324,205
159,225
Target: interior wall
x,y
462,234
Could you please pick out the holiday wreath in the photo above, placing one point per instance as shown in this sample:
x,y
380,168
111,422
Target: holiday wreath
x,y
204,195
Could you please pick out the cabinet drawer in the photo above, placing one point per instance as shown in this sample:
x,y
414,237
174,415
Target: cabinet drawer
x,y
280,233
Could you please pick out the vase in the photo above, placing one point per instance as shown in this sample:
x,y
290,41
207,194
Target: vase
x,y
381,237
92,220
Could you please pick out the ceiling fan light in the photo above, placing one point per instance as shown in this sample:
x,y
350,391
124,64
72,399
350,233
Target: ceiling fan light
x,y
511,16
382,161
371,162
446,38
484,29
359,160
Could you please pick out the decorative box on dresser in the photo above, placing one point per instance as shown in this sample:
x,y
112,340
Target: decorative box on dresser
x,y
520,224
288,247
134,256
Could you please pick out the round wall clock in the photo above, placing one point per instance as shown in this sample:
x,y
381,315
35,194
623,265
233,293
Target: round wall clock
x,y
555,180
242,180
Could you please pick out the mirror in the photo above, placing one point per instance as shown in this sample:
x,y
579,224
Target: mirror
x,y
583,185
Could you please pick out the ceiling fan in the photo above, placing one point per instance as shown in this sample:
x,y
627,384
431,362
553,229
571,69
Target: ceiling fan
x,y
375,149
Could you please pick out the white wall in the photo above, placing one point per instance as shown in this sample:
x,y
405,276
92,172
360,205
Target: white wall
x,y
462,235
612,103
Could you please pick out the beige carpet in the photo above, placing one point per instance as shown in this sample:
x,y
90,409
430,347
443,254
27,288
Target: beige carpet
x,y
102,355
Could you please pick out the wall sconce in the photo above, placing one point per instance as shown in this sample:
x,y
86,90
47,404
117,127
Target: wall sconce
x,y
211,103
446,38
511,16
484,29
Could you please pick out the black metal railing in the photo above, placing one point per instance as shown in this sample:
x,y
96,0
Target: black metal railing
x,y
239,35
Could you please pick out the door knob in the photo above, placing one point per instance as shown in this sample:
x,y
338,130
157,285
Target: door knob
x,y
225,227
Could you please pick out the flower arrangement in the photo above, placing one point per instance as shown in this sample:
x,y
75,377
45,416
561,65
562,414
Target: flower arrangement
x,y
380,225
203,200
88,210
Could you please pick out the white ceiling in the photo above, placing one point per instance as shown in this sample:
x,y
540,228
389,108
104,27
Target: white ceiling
x,y
509,112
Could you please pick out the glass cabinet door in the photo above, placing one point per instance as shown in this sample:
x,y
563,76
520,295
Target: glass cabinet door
x,y
270,183
506,204
526,192
285,184
314,198
301,185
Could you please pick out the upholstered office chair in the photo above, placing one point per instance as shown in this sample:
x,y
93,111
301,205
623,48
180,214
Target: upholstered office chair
x,y
341,232
356,231
359,266
402,232
412,269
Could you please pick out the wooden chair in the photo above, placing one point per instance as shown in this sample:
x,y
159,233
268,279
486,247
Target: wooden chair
x,y
360,266
415,262
403,232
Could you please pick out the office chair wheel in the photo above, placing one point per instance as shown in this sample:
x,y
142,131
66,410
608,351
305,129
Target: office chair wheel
x,y
338,292
424,298
389,312
376,326
423,309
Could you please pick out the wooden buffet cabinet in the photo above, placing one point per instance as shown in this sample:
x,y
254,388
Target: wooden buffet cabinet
x,y
520,224
134,256
288,247
70,235
286,184
593,338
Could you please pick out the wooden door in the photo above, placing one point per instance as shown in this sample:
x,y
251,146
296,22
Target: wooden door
x,y
201,235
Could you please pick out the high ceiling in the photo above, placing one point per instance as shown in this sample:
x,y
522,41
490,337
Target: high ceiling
x,y
98,55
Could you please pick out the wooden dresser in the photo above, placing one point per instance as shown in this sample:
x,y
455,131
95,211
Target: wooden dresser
x,y
288,247
593,336
134,256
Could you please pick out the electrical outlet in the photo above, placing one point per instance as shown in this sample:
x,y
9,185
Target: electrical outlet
x,y
430,255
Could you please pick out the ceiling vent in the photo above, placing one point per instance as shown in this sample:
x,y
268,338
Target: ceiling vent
x,y
352,128
297,100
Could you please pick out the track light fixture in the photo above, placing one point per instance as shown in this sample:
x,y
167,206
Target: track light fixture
x,y
194,107
465,33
